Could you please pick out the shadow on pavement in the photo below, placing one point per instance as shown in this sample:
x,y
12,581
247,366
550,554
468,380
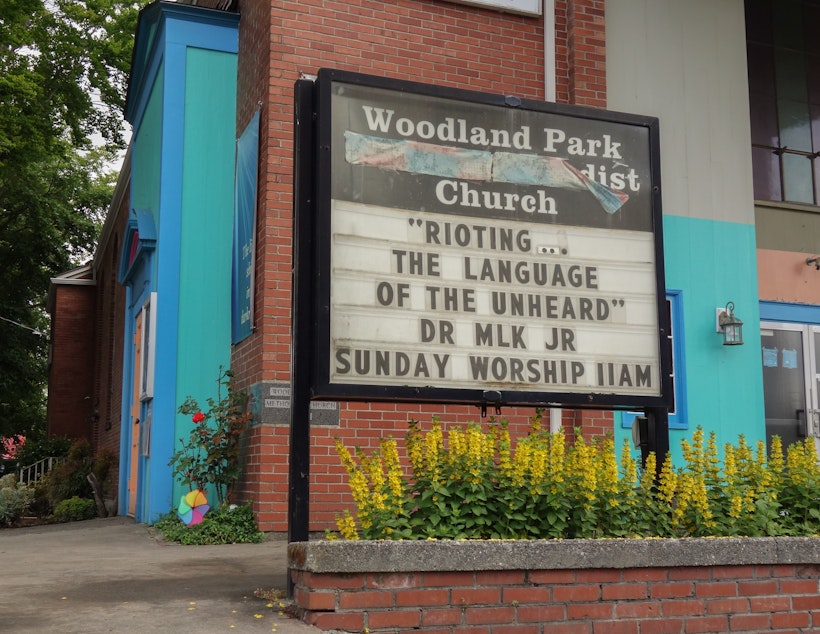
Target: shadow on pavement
x,y
113,575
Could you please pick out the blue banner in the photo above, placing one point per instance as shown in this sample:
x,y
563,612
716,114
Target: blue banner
x,y
244,227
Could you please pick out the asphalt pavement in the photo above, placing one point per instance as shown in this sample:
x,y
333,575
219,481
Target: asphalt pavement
x,y
113,575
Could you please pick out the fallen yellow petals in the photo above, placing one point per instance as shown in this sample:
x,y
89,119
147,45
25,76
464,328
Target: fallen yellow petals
x,y
257,616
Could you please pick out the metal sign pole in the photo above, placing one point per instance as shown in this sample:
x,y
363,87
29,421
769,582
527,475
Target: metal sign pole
x,y
302,353
658,434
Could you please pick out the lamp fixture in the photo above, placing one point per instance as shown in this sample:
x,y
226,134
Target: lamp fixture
x,y
730,325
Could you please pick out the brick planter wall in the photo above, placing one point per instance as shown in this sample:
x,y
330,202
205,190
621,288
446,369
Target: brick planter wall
x,y
583,586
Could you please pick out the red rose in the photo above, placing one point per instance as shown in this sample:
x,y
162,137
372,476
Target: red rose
x,y
198,417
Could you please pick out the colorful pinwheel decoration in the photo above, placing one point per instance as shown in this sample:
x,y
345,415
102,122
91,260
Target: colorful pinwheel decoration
x,y
192,507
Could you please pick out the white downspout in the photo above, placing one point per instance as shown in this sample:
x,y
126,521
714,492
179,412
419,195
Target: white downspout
x,y
549,50
556,413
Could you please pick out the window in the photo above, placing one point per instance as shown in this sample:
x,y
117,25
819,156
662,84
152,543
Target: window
x,y
525,7
783,56
149,325
677,415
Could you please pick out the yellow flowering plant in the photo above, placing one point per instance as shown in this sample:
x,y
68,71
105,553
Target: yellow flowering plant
x,y
475,482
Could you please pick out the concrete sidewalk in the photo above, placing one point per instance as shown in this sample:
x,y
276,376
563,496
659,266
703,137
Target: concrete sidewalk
x,y
113,575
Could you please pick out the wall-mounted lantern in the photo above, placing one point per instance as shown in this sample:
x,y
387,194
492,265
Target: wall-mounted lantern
x,y
730,326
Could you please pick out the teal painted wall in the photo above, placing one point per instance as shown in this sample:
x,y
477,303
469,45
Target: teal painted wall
x,y
147,153
181,101
204,335
712,263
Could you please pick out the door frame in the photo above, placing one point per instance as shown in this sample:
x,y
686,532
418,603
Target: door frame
x,y
811,376
134,409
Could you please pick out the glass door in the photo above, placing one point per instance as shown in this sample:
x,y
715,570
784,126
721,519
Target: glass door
x,y
791,378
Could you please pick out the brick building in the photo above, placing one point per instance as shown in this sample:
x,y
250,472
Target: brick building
x,y
72,304
684,63
87,306
433,42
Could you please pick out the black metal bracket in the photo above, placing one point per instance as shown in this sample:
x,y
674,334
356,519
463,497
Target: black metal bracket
x,y
490,397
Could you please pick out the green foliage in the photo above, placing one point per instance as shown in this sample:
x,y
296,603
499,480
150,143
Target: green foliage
x,y
227,525
14,499
69,478
63,66
104,469
75,509
211,454
38,447
475,485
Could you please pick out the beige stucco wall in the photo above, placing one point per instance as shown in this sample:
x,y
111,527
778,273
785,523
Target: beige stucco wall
x,y
685,63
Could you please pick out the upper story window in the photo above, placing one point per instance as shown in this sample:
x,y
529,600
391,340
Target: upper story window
x,y
783,53
525,7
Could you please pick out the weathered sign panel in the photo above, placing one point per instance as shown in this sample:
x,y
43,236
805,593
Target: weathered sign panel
x,y
468,243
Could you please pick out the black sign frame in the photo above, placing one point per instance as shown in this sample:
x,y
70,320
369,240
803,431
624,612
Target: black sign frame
x,y
312,316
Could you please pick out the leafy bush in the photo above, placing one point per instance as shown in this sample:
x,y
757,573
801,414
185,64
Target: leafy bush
x,y
70,478
227,525
211,455
75,509
39,505
475,486
38,447
104,465
14,499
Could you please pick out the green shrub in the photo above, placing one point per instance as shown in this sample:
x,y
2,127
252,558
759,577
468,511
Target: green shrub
x,y
39,505
473,483
210,457
14,499
227,525
75,509
70,478
104,468
36,448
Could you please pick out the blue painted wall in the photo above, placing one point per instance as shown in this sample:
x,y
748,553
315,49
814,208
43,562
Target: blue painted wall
x,y
183,171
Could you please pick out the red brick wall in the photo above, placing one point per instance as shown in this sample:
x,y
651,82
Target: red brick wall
x,y
71,371
586,53
254,80
430,41
746,598
110,323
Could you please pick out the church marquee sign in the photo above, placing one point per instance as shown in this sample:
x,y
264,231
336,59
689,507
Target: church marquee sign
x,y
475,248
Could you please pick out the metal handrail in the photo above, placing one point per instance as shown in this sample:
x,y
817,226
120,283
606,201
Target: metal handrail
x,y
34,472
